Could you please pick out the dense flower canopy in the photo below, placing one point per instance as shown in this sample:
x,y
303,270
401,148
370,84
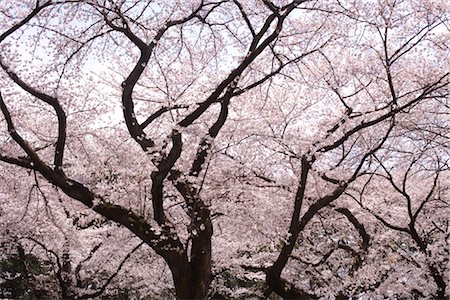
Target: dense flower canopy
x,y
224,149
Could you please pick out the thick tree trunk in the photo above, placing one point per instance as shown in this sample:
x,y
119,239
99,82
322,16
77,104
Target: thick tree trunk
x,y
201,253
192,277
183,286
190,284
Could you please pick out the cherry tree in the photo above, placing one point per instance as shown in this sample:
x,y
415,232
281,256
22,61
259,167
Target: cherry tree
x,y
128,24
169,119
373,104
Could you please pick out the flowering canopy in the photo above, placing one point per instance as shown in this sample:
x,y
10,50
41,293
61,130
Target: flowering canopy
x,y
199,149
